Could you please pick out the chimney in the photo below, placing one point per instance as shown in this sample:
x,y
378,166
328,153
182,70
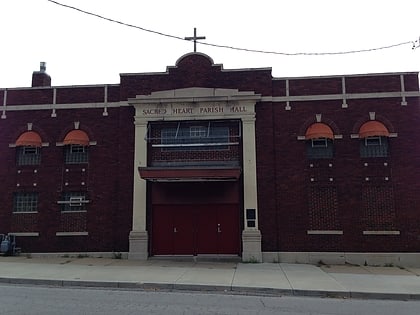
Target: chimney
x,y
41,78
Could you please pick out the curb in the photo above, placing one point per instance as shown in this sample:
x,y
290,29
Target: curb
x,y
212,288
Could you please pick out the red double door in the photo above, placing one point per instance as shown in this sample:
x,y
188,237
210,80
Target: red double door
x,y
195,229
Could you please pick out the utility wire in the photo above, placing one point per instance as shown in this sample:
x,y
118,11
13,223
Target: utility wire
x,y
415,44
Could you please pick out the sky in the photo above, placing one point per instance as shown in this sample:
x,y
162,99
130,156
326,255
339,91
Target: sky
x,y
80,49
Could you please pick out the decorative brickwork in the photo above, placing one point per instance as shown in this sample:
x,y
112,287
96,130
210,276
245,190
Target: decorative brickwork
x,y
378,208
24,222
73,222
323,208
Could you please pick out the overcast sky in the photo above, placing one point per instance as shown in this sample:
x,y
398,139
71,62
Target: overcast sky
x,y
81,49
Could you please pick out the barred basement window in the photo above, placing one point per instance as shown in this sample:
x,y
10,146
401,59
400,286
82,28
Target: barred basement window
x,y
28,155
75,154
25,202
321,148
374,147
73,201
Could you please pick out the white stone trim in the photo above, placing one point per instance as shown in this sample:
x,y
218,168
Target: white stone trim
x,y
64,106
24,234
71,233
286,99
340,258
381,232
403,99
61,144
294,98
324,232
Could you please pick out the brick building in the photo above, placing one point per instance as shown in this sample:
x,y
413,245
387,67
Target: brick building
x,y
200,160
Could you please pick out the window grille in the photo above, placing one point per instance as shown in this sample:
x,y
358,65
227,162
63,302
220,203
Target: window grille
x,y
25,202
374,147
76,154
73,201
195,138
27,155
321,148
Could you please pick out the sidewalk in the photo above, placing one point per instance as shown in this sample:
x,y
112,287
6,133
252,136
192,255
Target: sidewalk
x,y
343,281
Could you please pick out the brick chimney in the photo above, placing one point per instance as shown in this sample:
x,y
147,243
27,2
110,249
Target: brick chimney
x,y
41,78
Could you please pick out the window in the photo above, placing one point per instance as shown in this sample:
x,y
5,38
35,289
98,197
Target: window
x,y
25,202
376,146
73,201
76,154
198,132
321,148
28,155
195,138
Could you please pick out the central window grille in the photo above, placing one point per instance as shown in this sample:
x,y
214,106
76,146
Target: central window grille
x,y
25,202
374,147
75,154
27,155
73,201
195,137
321,148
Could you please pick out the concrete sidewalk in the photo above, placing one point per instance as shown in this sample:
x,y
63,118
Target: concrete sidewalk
x,y
343,281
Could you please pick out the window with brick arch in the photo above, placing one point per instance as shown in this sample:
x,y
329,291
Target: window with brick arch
x,y
321,148
28,155
75,154
377,146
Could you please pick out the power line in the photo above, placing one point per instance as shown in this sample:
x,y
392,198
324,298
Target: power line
x,y
415,44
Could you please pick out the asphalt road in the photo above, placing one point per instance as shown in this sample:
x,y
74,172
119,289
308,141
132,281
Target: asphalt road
x,y
58,300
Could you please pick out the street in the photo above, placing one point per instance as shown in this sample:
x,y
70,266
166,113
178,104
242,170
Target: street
x,y
58,300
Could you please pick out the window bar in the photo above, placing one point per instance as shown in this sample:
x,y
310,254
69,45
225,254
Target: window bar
x,y
177,130
208,130
147,136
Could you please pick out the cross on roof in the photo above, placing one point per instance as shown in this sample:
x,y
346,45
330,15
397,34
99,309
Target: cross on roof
x,y
194,38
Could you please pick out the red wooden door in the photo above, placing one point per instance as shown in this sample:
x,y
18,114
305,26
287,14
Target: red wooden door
x,y
228,229
195,229
162,227
207,238
183,230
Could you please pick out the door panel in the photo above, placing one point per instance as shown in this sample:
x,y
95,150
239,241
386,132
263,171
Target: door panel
x,y
162,227
195,229
207,230
228,236
183,230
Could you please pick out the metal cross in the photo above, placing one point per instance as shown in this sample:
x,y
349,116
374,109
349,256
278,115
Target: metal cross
x,y
194,38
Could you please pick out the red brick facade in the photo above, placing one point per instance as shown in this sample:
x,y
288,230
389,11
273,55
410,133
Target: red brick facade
x,y
346,195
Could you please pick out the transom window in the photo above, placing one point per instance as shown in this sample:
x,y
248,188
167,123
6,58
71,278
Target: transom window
x,y
73,201
25,202
75,154
376,146
28,155
198,131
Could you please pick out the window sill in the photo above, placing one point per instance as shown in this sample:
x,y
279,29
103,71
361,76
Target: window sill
x,y
24,234
75,211
71,233
381,232
24,212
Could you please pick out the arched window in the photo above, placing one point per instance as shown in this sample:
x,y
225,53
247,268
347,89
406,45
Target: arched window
x,y
76,145
28,148
373,137
319,141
